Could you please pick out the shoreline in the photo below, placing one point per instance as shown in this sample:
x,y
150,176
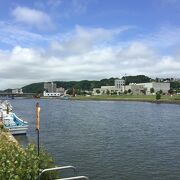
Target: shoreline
x,y
161,101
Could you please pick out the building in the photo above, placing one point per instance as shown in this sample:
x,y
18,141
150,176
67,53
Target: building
x,y
51,90
119,85
17,91
50,87
136,89
157,86
60,90
116,89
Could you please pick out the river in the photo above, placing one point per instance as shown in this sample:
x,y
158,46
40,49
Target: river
x,y
108,140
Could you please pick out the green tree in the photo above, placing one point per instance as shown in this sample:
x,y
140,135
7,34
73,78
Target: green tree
x,y
107,92
129,91
160,92
98,91
151,90
125,92
170,91
158,96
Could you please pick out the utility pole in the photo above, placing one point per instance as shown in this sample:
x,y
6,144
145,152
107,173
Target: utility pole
x,y
38,124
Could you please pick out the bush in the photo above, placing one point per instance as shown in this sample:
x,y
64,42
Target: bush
x,y
22,164
158,96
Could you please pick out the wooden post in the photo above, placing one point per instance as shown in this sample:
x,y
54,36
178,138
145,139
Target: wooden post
x,y
38,123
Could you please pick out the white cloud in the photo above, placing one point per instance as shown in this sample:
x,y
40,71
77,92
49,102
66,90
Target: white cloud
x,y
34,17
83,39
84,53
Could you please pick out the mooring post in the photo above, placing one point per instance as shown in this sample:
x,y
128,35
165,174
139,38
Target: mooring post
x,y
38,124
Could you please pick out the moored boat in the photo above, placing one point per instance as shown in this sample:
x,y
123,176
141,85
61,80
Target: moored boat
x,y
11,122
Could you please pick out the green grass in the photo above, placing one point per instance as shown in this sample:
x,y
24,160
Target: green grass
x,y
149,98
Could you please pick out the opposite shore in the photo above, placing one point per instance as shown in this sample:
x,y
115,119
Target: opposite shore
x,y
151,98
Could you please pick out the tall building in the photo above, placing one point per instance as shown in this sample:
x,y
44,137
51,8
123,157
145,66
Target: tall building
x,y
50,87
119,84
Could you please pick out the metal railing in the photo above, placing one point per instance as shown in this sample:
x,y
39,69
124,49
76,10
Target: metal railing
x,y
74,178
62,168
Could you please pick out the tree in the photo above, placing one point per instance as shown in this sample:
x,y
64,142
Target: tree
x,y
152,90
170,91
160,92
129,91
98,91
143,91
158,96
107,92
125,92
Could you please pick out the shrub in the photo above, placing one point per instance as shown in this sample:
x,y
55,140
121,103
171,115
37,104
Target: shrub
x,y
158,96
22,164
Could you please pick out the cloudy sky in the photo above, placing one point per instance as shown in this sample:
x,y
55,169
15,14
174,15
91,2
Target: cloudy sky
x,y
44,40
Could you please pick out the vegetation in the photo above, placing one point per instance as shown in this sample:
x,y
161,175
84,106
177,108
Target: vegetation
x,y
81,86
128,97
158,95
151,90
18,163
34,88
136,79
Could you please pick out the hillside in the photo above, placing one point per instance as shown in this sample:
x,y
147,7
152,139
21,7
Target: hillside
x,y
84,84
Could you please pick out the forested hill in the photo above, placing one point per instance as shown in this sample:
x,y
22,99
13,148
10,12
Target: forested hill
x,y
85,84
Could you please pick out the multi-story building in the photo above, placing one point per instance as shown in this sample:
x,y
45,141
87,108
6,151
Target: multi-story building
x,y
50,87
17,91
136,89
157,86
119,85
51,90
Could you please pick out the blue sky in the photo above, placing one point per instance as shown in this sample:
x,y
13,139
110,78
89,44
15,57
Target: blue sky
x,y
44,40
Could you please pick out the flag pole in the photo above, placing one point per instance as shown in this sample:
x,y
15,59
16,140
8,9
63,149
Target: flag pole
x,y
38,124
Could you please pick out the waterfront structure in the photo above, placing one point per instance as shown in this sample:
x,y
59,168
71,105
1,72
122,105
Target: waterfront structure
x,y
51,90
50,87
136,89
17,91
119,85
60,90
116,89
157,86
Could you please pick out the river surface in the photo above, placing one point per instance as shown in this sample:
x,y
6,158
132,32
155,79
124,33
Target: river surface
x,y
108,140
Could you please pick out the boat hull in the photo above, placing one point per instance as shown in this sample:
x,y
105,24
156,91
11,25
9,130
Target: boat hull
x,y
18,130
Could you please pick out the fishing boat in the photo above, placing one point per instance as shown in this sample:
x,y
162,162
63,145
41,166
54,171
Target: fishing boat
x,y
11,121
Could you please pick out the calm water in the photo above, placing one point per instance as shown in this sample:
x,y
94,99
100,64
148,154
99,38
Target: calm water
x,y
109,140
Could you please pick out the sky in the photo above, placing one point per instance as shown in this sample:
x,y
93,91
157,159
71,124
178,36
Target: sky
x,y
49,40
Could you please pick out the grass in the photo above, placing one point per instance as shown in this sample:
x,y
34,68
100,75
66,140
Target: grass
x,y
148,98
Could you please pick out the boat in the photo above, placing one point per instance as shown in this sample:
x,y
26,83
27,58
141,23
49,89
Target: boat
x,y
11,121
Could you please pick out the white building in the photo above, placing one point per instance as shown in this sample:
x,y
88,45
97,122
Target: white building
x,y
157,86
136,89
116,89
119,85
51,90
17,91
51,94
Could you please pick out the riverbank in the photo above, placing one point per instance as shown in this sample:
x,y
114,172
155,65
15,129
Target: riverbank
x,y
142,98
